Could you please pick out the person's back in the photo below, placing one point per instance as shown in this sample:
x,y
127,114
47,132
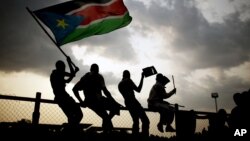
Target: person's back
x,y
155,93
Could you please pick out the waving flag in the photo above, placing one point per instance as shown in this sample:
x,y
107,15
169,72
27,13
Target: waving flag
x,y
74,20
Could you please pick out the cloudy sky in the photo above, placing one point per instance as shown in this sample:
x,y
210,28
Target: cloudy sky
x,y
203,44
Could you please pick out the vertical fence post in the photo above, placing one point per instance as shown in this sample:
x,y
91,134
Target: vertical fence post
x,y
176,106
36,113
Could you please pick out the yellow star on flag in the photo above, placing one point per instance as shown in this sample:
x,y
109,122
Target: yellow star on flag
x,y
61,23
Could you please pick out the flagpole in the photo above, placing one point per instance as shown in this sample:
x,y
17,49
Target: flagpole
x,y
173,81
31,13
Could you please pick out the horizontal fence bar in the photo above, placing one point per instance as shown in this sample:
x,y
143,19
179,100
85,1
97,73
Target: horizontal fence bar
x,y
26,99
53,102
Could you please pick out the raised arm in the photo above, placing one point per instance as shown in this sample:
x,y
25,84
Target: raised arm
x,y
73,72
167,95
138,89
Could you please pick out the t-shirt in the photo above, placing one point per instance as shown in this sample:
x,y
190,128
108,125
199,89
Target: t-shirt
x,y
58,83
92,85
126,88
157,93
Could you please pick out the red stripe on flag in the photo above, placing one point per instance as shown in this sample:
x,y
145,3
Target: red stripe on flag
x,y
93,13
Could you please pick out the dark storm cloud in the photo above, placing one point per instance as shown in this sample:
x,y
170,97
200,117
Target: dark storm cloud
x,y
213,44
199,91
216,45
199,44
23,45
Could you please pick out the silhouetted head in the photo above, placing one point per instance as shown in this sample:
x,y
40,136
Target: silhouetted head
x,y
94,68
222,113
222,116
165,80
60,65
159,77
126,74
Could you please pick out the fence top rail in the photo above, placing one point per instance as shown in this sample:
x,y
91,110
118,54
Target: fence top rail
x,y
26,99
53,102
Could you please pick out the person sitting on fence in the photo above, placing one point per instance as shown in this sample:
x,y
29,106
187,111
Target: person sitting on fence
x,y
127,87
156,102
92,84
58,82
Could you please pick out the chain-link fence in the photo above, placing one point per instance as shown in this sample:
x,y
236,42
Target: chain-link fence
x,y
14,110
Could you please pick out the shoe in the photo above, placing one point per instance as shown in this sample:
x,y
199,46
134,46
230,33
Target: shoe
x,y
160,127
169,128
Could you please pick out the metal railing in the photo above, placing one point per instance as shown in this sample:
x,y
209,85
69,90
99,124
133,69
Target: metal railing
x,y
47,115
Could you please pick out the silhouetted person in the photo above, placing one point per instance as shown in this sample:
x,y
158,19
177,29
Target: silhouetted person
x,y
92,84
156,102
235,118
58,80
217,125
239,117
127,88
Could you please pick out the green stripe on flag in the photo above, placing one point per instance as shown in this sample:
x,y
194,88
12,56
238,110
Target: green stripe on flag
x,y
102,27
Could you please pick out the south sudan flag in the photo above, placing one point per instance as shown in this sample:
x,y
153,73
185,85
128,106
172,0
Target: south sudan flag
x,y
74,20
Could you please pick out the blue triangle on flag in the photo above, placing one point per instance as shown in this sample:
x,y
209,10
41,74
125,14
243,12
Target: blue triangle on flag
x,y
60,25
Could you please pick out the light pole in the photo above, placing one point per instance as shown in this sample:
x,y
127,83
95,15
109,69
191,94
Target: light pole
x,y
215,95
